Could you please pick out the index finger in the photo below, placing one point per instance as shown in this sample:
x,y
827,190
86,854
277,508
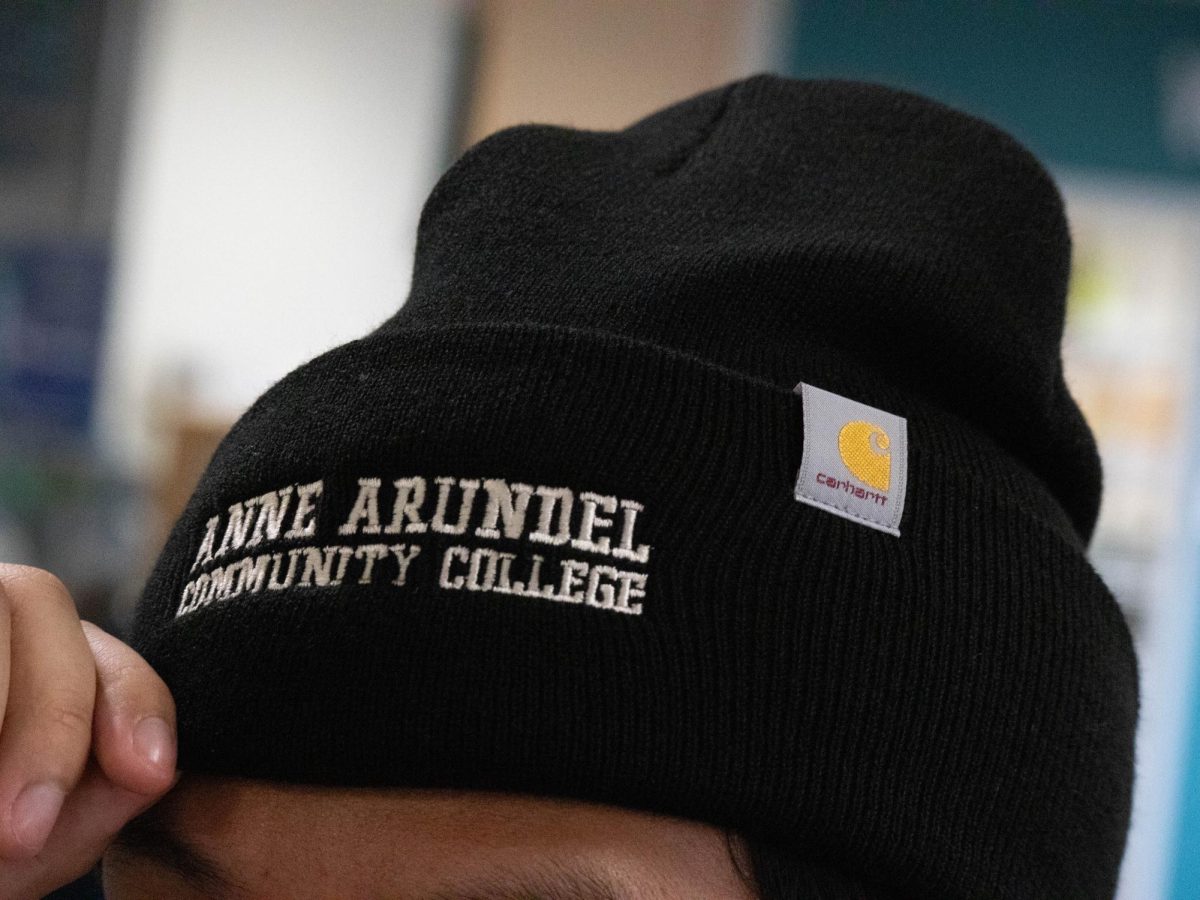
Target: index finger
x,y
47,720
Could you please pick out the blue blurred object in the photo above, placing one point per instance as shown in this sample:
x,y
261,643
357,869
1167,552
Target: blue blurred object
x,y
52,311
1186,877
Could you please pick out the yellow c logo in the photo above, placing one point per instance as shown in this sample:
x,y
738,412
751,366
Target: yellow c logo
x,y
864,449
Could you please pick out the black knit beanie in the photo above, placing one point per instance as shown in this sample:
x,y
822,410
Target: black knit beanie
x,y
720,466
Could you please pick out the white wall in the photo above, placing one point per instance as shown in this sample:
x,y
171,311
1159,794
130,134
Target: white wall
x,y
277,158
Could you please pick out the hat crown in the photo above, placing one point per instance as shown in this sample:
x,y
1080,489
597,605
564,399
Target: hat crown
x,y
773,218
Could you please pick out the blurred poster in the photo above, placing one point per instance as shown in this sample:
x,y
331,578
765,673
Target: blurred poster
x,y
52,300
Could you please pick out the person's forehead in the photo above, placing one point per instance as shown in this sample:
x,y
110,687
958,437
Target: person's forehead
x,y
246,839
215,807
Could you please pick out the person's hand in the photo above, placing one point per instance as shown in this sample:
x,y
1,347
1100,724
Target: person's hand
x,y
87,736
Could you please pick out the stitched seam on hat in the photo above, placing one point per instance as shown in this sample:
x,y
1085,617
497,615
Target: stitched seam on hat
x,y
671,166
587,334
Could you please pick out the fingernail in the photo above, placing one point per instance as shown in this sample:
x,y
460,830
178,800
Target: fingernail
x,y
34,812
152,738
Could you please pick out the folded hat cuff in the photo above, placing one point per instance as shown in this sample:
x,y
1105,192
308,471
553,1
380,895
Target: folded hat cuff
x,y
926,708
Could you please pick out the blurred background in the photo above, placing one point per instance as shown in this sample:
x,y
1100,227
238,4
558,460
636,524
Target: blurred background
x,y
198,195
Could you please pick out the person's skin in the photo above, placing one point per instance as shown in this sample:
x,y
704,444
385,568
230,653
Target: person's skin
x,y
263,840
84,714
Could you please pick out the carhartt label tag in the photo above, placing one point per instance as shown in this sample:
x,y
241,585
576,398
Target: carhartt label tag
x,y
855,462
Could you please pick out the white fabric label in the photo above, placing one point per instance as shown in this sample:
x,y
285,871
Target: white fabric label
x,y
855,462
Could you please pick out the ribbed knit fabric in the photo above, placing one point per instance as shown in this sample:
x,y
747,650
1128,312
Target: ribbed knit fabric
x,y
617,320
